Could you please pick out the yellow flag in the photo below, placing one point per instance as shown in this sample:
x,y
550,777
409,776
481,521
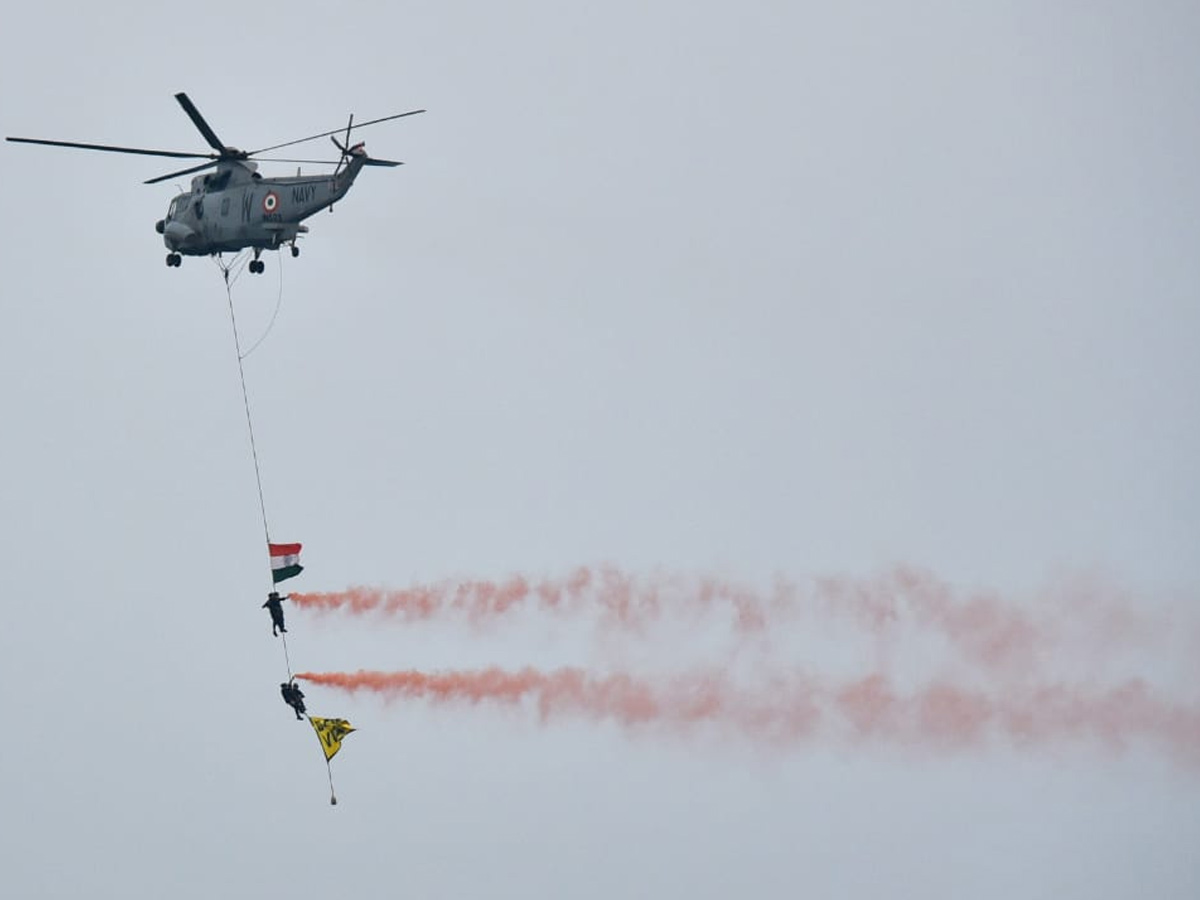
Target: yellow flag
x,y
331,732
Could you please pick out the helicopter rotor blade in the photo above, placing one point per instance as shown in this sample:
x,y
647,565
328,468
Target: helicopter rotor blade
x,y
311,162
226,153
141,151
198,120
199,168
343,148
411,112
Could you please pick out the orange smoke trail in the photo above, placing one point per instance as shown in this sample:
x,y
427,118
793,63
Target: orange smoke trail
x,y
982,626
793,708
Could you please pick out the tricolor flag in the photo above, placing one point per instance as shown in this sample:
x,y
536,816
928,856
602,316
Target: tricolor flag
x,y
285,561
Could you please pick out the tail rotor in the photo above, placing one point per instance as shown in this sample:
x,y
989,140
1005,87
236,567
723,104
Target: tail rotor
x,y
343,147
359,150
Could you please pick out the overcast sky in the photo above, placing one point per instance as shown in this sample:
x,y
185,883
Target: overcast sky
x,y
746,290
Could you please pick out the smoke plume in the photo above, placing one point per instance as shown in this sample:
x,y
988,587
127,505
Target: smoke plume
x,y
1086,616
793,708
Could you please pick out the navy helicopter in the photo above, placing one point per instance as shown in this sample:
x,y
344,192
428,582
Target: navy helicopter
x,y
235,207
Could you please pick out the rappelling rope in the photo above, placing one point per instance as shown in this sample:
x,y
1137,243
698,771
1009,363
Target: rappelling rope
x,y
226,269
286,660
232,272
239,263
250,426
246,401
278,303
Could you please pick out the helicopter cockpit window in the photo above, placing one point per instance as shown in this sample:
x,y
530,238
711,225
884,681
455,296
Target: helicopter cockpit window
x,y
177,206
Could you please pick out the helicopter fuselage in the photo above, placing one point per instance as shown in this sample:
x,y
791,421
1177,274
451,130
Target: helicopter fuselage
x,y
235,208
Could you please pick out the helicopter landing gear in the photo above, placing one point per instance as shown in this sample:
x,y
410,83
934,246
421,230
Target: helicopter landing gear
x,y
174,259
295,251
257,266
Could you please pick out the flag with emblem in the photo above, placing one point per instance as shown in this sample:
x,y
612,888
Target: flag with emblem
x,y
331,732
285,561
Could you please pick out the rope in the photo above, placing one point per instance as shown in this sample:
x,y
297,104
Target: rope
x,y
229,282
332,795
246,401
286,660
278,303
239,262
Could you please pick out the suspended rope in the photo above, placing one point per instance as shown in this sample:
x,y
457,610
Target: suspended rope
x,y
234,268
246,402
231,272
278,303
286,659
332,795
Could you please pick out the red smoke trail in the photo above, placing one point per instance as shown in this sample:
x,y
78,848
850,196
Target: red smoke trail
x,y
794,708
982,626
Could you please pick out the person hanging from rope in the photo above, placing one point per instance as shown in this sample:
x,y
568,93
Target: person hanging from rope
x,y
293,697
274,606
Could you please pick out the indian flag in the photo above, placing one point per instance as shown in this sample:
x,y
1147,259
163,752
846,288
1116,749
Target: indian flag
x,y
285,561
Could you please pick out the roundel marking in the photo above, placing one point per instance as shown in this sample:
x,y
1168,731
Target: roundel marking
x,y
270,202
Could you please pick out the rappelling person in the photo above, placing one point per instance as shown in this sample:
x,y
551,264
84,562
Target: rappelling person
x,y
273,604
293,697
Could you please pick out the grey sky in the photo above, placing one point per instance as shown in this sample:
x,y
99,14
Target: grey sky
x,y
745,288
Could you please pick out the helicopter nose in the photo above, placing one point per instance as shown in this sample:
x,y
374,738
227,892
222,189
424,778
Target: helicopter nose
x,y
177,235
160,225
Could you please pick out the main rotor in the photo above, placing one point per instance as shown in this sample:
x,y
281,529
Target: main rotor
x,y
225,153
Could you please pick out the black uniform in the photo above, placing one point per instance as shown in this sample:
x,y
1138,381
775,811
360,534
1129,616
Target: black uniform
x,y
293,697
274,605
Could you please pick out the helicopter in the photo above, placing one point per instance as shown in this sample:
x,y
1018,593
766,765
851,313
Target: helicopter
x,y
234,207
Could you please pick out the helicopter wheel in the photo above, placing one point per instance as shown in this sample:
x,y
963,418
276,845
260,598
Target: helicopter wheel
x,y
257,266
174,259
295,251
